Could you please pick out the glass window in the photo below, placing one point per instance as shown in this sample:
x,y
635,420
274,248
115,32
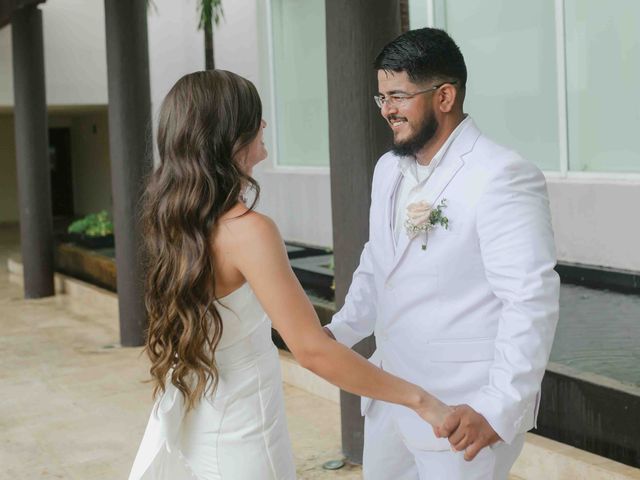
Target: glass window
x,y
603,79
510,52
300,69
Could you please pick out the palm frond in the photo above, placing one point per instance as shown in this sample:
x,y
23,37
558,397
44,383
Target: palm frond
x,y
210,12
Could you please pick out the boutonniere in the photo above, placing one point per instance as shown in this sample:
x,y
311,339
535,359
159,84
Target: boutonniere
x,y
422,218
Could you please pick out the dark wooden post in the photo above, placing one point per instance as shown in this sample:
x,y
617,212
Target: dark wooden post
x,y
32,152
130,149
356,31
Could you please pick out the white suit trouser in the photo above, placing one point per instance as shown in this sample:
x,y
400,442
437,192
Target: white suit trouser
x,y
387,456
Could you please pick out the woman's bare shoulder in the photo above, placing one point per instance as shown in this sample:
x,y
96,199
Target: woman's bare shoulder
x,y
242,226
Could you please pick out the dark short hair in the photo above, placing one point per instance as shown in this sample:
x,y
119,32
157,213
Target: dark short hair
x,y
425,54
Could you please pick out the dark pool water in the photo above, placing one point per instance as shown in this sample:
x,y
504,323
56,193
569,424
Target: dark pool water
x,y
599,332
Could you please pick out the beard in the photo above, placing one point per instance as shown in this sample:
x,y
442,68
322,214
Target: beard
x,y
412,145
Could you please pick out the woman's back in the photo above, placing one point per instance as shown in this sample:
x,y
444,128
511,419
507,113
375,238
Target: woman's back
x,y
237,432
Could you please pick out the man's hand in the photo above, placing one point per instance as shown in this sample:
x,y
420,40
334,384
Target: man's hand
x,y
467,430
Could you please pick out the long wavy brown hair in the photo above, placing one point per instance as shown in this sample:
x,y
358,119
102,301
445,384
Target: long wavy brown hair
x,y
205,121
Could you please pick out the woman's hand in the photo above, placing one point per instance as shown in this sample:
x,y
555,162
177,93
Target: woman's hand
x,y
433,411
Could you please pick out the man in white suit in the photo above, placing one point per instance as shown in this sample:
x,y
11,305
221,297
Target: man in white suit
x,y
457,280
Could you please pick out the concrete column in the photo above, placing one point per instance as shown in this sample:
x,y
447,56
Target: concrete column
x,y
130,149
356,31
32,152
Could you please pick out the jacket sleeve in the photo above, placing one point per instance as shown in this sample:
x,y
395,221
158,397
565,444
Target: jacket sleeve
x,y
357,318
518,253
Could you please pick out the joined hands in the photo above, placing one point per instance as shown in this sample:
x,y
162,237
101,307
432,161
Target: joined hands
x,y
465,428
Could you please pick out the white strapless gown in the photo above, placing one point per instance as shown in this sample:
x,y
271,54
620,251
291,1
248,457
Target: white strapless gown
x,y
239,433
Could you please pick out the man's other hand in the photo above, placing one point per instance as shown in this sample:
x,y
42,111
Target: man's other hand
x,y
467,430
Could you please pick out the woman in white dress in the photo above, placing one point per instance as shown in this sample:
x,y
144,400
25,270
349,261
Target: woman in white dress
x,y
218,276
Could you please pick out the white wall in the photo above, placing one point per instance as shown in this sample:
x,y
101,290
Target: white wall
x,y
596,221
176,47
237,42
74,50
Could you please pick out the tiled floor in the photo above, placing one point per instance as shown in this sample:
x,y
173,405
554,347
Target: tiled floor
x,y
73,408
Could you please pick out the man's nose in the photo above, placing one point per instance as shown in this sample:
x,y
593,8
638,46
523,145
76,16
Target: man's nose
x,y
388,109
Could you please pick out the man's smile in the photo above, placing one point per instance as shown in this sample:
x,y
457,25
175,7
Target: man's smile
x,y
396,122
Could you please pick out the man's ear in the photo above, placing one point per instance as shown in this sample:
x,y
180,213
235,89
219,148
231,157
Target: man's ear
x,y
447,97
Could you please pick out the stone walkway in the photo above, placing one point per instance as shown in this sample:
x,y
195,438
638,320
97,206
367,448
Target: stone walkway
x,y
74,406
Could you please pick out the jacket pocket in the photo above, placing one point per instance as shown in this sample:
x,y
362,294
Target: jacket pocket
x,y
461,350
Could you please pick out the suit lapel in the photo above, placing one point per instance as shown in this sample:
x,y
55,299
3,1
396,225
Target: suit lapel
x,y
441,177
390,210
438,182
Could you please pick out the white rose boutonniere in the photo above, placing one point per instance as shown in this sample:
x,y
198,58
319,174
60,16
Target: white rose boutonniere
x,y
422,218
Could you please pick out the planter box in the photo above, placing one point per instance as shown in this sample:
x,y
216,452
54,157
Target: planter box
x,y
86,264
93,243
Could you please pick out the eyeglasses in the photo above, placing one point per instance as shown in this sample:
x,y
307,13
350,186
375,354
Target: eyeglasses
x,y
399,99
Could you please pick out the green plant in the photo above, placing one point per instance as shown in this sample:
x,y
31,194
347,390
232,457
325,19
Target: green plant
x,y
93,225
210,12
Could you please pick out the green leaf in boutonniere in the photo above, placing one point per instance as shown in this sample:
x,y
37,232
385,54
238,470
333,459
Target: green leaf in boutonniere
x,y
437,218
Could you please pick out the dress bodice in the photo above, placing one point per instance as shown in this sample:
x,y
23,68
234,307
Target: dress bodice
x,y
241,314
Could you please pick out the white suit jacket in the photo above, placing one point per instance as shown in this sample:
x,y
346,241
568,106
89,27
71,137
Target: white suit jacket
x,y
471,318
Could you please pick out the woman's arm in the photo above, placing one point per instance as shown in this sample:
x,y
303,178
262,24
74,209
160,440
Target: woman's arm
x,y
260,255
